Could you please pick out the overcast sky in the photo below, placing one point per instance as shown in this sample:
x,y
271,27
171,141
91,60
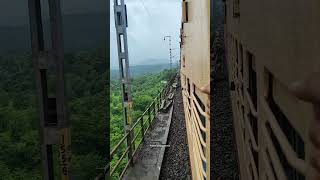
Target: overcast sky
x,y
15,12
147,25
146,29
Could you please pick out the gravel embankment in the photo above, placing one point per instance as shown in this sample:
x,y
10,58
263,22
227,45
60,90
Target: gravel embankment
x,y
224,163
175,164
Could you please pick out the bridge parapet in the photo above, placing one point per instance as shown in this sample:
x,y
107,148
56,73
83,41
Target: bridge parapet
x,y
140,128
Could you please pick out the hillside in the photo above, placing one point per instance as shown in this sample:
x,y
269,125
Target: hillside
x,y
140,70
87,94
19,133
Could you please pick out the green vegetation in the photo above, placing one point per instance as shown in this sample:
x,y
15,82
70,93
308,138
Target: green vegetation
x,y
19,121
139,70
86,91
144,89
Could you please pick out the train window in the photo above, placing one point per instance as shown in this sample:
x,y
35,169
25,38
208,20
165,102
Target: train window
x,y
292,135
252,78
202,106
290,172
185,17
198,99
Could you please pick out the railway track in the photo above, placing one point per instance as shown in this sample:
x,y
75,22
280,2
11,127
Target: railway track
x,y
224,154
176,164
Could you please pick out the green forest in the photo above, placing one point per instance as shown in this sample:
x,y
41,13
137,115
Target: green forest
x,y
144,89
19,121
87,96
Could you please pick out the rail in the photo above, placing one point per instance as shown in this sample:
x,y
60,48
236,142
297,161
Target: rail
x,y
140,128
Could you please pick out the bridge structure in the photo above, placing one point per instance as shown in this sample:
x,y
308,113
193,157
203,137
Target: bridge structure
x,y
146,138
151,132
144,151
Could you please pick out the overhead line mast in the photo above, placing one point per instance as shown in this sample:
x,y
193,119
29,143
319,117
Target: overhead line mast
x,y
54,119
170,49
121,24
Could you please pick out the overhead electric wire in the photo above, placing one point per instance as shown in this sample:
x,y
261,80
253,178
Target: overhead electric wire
x,y
145,8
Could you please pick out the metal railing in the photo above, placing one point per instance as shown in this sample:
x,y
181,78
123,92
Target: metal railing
x,y
140,128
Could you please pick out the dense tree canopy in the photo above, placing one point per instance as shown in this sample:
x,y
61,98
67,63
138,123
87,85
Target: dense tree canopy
x,y
19,121
144,89
87,91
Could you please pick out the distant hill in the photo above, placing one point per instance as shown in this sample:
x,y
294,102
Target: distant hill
x,y
80,32
139,70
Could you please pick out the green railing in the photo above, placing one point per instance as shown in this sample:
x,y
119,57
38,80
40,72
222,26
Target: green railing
x,y
140,128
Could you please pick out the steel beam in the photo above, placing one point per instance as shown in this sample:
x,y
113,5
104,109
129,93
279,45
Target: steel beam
x,y
54,120
121,24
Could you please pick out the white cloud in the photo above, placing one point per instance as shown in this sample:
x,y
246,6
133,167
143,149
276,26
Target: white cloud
x,y
147,29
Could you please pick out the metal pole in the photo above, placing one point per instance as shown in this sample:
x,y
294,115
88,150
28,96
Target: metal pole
x,y
41,82
54,122
121,24
170,49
